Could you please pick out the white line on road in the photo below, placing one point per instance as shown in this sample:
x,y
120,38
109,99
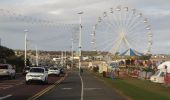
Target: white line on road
x,y
7,96
92,88
82,88
66,88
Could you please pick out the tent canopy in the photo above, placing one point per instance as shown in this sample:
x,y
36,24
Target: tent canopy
x,y
131,52
162,66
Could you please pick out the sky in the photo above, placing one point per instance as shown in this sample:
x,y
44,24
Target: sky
x,y
52,24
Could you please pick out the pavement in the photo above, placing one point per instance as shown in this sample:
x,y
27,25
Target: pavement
x,y
89,88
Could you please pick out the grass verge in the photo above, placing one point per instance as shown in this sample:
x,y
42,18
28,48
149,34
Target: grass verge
x,y
138,89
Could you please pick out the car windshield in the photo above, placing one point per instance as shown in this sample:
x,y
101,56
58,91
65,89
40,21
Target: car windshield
x,y
3,67
53,68
37,70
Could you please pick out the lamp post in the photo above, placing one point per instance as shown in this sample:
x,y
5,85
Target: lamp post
x,y
72,52
65,58
80,28
62,61
0,42
25,60
37,63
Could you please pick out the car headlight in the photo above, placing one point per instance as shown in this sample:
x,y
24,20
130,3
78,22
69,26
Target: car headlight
x,y
28,75
4,71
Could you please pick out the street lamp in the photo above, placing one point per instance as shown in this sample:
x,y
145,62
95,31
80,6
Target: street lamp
x,y
25,61
80,28
72,51
37,63
0,42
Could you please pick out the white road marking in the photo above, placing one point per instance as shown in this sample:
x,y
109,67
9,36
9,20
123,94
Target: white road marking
x,y
66,88
10,83
7,83
92,88
7,96
6,87
82,88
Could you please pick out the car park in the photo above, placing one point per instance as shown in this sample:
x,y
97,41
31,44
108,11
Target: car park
x,y
54,71
37,74
6,70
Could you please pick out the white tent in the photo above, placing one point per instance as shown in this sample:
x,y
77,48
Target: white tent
x,y
162,66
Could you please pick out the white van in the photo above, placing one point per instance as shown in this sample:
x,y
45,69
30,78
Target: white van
x,y
158,77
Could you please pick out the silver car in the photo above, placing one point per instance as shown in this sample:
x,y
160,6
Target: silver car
x,y
7,70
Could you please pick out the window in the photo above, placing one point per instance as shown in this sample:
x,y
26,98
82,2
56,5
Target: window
x,y
37,70
53,69
3,66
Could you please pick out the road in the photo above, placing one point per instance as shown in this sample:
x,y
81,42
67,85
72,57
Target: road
x,y
16,89
71,89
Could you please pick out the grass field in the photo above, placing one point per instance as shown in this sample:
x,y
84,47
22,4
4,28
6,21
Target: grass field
x,y
138,89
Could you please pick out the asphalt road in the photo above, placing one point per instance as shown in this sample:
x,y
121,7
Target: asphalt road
x,y
71,89
16,89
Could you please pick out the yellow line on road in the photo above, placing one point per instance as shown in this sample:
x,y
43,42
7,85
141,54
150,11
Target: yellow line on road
x,y
34,97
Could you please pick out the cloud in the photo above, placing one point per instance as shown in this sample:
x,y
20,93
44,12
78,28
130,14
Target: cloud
x,y
65,12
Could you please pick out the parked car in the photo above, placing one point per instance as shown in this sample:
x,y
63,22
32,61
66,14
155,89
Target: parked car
x,y
7,70
25,70
54,71
37,74
62,70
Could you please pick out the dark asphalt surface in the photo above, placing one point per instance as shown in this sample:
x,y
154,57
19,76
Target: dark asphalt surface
x,y
19,90
70,89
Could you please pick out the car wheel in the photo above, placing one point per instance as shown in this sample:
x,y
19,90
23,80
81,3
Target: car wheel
x,y
26,82
46,81
14,76
10,77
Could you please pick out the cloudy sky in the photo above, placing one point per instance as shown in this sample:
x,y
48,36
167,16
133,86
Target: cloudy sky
x,y
52,23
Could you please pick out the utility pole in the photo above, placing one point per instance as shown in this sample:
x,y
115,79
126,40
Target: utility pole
x,y
80,28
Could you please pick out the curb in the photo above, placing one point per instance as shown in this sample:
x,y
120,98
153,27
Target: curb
x,y
36,96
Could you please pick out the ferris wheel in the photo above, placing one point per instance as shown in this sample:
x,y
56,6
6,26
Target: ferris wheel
x,y
122,28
